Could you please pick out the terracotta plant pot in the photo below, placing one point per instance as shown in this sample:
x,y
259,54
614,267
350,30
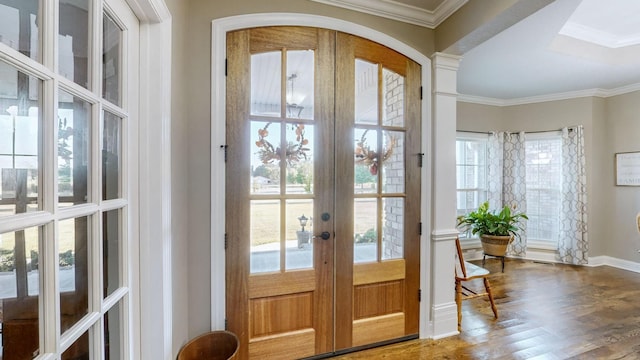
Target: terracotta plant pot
x,y
495,245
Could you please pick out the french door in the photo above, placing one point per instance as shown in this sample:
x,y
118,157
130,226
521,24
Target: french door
x,y
322,179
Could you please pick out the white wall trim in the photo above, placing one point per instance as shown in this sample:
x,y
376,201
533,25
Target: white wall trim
x,y
218,97
398,11
153,329
602,93
614,262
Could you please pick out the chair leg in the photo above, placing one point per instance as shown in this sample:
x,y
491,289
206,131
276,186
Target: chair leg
x,y
493,305
459,303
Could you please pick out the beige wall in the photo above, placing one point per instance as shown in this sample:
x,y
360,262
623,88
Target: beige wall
x,y
610,125
623,131
196,50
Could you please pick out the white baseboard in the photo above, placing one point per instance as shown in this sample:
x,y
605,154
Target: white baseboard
x,y
614,262
445,320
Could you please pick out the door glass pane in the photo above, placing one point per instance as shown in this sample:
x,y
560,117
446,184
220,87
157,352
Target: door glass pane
x,y
299,159
73,149
78,350
113,333
111,40
393,162
19,26
111,156
111,251
19,293
300,78
366,97
366,161
366,230
393,228
73,258
20,148
298,234
265,157
73,41
265,236
393,99
266,80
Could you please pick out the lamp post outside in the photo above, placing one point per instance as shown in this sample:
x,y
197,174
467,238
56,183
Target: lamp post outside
x,y
303,235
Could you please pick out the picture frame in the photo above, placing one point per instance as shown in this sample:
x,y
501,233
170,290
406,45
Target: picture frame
x,y
627,168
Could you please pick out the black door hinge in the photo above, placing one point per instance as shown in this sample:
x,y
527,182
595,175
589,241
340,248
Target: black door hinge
x,y
226,238
419,295
226,324
225,148
420,159
225,67
420,228
420,92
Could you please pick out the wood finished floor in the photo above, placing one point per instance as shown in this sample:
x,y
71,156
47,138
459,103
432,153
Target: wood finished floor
x,y
546,311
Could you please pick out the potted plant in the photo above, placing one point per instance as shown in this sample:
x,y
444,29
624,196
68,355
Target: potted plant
x,y
496,229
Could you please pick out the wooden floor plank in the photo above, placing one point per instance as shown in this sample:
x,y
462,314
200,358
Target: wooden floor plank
x,y
547,311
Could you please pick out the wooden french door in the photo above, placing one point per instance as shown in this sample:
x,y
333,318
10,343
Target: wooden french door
x,y
323,189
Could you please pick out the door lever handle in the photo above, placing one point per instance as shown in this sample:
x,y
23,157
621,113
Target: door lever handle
x,y
325,235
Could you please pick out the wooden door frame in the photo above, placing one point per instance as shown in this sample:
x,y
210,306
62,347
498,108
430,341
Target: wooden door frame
x,y
220,27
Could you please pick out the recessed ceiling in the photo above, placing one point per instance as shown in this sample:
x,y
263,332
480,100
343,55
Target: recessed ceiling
x,y
533,59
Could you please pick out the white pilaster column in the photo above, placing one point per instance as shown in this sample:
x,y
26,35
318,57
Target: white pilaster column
x,y
444,311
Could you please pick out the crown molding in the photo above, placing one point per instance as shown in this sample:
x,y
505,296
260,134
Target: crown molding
x,y
401,12
602,93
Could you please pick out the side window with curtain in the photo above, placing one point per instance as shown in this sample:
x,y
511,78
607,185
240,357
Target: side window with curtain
x,y
543,186
471,173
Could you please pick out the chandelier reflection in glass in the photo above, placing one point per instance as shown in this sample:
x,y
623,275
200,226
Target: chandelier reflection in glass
x,y
294,109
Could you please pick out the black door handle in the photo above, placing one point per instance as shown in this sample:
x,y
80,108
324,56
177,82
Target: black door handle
x,y
325,235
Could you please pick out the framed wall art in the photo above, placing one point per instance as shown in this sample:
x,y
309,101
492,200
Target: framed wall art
x,y
628,168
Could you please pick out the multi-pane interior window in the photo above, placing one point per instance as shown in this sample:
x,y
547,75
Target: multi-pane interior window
x,y
543,185
64,200
471,172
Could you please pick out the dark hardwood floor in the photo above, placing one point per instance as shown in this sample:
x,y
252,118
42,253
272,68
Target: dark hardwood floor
x,y
546,311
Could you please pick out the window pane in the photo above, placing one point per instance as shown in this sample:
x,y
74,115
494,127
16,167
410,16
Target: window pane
x,y
73,149
299,159
393,162
265,157
73,258
20,131
111,251
544,186
111,156
111,40
73,41
393,228
393,99
366,100
265,236
19,293
299,237
366,230
300,78
113,333
19,26
266,89
79,350
366,161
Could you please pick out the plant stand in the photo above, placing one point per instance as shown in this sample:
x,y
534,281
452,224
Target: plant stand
x,y
484,255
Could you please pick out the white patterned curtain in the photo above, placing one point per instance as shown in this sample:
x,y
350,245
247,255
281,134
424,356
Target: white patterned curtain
x,y
573,245
495,149
506,178
514,192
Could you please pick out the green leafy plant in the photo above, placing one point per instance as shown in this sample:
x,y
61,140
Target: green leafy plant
x,y
486,222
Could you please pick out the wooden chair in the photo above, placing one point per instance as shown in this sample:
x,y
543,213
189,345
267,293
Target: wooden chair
x,y
466,271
